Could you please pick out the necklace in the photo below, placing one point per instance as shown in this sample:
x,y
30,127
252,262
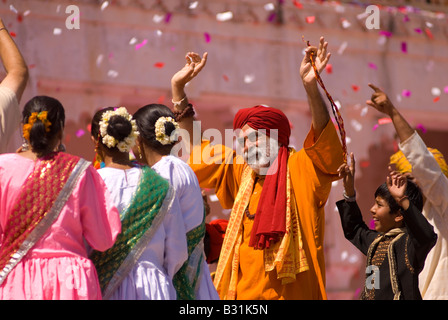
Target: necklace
x,y
247,213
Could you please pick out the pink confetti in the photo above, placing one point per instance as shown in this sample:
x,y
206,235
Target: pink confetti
x,y
375,127
310,19
207,37
80,133
445,89
421,127
406,93
329,68
382,121
418,30
385,33
404,47
139,45
168,17
372,66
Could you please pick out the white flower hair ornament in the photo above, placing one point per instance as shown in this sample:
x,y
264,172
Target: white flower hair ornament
x,y
127,143
161,135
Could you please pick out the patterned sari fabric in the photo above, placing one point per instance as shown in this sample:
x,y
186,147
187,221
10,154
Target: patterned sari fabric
x,y
185,280
43,195
140,220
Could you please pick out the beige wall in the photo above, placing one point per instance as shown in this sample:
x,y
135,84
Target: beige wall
x,y
251,61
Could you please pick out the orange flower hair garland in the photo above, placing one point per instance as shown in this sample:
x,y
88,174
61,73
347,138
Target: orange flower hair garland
x,y
42,116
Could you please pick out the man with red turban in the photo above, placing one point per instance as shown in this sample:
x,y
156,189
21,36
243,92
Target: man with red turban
x,y
273,246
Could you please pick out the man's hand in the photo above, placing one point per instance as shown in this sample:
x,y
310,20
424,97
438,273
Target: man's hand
x,y
194,65
321,58
380,101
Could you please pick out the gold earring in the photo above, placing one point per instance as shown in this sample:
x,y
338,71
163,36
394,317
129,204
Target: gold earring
x,y
139,152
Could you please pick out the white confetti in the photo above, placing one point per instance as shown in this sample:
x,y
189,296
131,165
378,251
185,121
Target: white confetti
x,y
104,5
133,41
57,31
193,5
224,16
342,47
436,91
99,59
249,78
364,111
13,9
269,7
356,125
157,18
346,24
112,74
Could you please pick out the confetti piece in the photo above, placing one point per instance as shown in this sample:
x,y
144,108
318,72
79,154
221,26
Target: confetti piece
x,y
269,6
356,125
429,34
99,59
310,19
112,74
372,66
418,30
80,133
159,65
272,16
57,31
421,127
297,4
13,9
12,34
385,33
355,87
104,5
329,68
207,37
249,78
406,93
382,121
139,45
445,89
364,111
224,16
157,18
342,47
436,99
226,78
133,41
168,17
436,91
193,5
345,23
404,47
364,164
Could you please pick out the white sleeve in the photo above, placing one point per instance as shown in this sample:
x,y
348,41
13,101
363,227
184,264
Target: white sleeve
x,y
429,175
9,116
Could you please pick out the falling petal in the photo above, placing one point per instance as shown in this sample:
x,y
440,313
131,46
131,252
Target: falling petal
x,y
207,37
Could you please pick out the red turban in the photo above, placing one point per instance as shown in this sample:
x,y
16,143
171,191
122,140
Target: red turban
x,y
270,218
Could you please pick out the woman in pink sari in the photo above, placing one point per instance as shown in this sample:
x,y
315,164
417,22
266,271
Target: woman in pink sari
x,y
51,204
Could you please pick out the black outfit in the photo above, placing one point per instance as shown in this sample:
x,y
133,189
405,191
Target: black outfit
x,y
406,256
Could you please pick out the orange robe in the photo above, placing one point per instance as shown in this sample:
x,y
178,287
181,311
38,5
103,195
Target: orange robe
x,y
312,170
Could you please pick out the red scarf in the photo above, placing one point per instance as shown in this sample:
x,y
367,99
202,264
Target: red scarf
x,y
270,218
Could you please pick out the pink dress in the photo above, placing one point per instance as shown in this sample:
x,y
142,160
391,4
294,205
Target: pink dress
x,y
57,267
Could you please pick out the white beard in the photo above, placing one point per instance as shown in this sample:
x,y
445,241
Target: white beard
x,y
260,158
